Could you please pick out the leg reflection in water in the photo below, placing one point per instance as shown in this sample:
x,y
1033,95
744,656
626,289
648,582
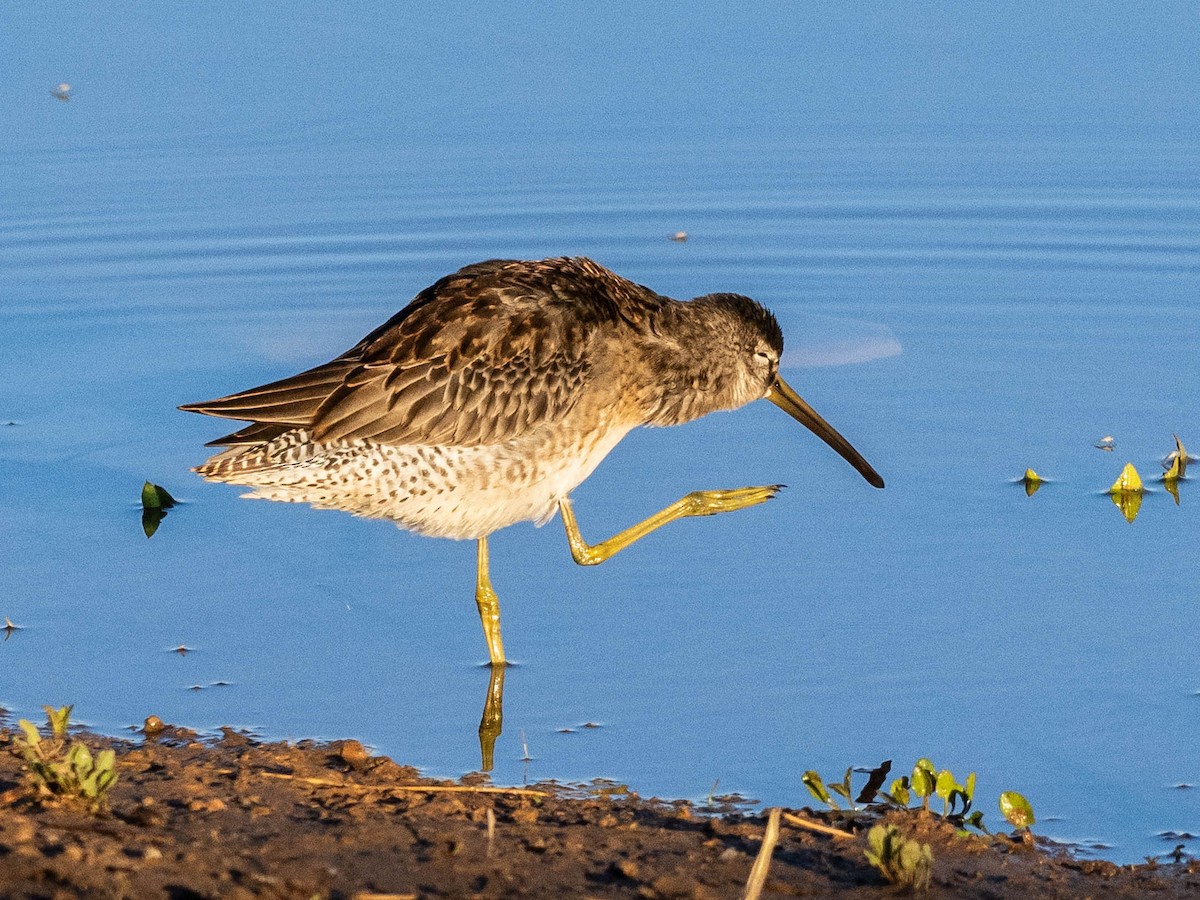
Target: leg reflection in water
x,y
492,722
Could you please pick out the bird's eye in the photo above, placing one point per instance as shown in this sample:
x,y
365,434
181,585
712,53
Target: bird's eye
x,y
765,357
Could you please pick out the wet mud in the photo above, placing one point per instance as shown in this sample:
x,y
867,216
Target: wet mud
x,y
237,817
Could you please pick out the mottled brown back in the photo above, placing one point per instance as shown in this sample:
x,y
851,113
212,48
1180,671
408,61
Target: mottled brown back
x,y
481,356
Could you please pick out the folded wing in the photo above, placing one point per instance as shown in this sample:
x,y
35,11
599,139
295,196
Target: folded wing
x,y
484,355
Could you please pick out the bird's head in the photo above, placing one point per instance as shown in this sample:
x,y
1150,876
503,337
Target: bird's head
x,y
753,340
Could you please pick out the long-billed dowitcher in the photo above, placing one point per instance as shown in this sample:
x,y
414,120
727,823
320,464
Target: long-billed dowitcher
x,y
497,391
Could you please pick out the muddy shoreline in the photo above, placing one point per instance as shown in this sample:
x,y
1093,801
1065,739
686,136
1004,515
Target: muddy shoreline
x,y
239,817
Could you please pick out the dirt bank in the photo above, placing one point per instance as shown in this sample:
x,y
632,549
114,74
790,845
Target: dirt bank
x,y
234,817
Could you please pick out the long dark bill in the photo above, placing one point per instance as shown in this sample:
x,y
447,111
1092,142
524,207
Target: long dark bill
x,y
793,404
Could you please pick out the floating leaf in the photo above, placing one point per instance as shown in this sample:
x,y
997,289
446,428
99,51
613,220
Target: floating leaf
x,y
1016,809
155,503
1032,481
156,497
1176,462
874,782
1128,482
1176,470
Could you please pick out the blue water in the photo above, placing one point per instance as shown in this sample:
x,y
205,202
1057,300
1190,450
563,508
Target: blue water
x,y
993,304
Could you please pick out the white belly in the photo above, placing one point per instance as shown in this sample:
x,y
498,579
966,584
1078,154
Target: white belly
x,y
441,491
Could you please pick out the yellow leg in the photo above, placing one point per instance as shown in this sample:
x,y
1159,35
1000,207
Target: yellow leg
x,y
489,608
697,503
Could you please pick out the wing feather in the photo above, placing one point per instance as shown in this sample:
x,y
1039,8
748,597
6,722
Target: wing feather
x,y
483,355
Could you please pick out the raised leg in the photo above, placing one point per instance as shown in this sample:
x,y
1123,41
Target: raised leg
x,y
489,608
697,503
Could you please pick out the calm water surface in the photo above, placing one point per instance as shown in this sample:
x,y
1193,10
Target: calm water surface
x,y
994,307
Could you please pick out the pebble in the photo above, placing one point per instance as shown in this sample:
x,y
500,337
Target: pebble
x,y
524,815
627,868
22,830
479,813
353,753
216,804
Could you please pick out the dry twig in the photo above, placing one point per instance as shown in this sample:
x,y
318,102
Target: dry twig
x,y
817,826
409,788
758,873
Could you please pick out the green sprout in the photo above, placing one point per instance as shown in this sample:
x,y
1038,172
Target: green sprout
x,y
74,775
899,794
1017,810
844,788
954,794
906,864
924,780
925,783
58,720
816,787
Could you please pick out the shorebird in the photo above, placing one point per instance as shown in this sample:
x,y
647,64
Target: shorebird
x,y
497,391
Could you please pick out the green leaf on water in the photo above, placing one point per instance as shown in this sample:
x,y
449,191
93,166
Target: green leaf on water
x,y
155,503
156,497
1032,481
1175,471
1128,482
1179,460
1016,810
